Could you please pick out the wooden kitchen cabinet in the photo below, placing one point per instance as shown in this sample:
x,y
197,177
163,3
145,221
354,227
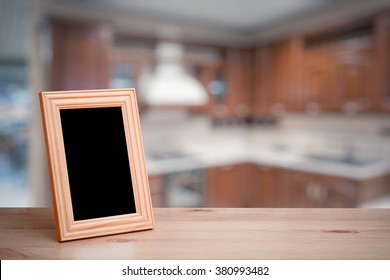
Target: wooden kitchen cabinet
x,y
241,185
239,77
224,188
265,190
353,76
81,55
306,190
278,77
253,185
338,71
381,88
346,69
317,87
230,85
309,190
213,78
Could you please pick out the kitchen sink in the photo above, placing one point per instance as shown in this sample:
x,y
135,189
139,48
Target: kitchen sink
x,y
344,160
168,155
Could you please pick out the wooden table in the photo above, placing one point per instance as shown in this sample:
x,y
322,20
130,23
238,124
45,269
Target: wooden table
x,y
204,233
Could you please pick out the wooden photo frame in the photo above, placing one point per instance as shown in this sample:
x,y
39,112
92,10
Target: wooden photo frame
x,y
96,162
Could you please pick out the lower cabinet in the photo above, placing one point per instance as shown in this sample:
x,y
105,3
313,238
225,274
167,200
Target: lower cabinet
x,y
299,189
241,185
252,185
224,188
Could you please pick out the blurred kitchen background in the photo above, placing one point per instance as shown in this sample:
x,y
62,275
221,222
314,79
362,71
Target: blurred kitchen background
x,y
243,103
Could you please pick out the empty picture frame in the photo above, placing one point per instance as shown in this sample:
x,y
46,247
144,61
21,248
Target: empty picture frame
x,y
96,162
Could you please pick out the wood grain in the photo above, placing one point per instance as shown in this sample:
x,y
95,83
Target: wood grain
x,y
207,233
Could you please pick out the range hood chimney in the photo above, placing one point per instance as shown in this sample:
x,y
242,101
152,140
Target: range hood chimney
x,y
170,84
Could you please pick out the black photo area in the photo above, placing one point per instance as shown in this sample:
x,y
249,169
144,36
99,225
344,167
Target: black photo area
x,y
97,161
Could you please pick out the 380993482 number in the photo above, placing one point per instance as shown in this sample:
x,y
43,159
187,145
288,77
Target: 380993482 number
x,y
242,270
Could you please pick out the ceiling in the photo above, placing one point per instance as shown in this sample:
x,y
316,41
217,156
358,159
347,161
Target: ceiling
x,y
229,15
223,22
231,22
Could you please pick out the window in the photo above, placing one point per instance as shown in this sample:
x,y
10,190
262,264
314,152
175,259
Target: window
x,y
15,101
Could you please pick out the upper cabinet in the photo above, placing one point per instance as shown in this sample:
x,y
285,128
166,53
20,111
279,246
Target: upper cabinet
x,y
338,71
382,62
213,77
317,90
346,69
239,79
353,73
80,55
230,84
277,77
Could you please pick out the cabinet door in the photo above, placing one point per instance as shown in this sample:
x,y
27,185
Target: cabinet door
x,y
278,77
222,187
273,76
318,89
264,186
381,87
339,73
298,189
242,185
353,65
262,82
80,55
213,77
294,97
239,73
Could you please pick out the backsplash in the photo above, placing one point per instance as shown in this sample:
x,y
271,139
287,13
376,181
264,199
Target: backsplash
x,y
178,131
360,136
336,135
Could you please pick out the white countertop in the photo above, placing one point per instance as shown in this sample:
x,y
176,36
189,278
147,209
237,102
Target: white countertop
x,y
268,158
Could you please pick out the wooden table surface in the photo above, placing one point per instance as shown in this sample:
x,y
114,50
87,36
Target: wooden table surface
x,y
204,233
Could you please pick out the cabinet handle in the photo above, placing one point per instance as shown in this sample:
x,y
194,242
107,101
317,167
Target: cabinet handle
x,y
227,168
316,192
